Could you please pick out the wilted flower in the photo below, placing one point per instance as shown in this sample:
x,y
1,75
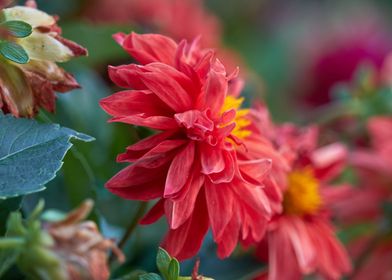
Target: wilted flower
x,y
63,250
192,164
24,88
300,239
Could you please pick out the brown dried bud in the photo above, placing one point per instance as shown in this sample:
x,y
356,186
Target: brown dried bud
x,y
81,247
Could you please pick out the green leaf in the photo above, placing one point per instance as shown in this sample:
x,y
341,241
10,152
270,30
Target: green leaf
x,y
163,262
31,153
174,270
150,276
17,28
13,52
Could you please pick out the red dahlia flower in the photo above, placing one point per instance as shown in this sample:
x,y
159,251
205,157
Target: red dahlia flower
x,y
191,164
300,239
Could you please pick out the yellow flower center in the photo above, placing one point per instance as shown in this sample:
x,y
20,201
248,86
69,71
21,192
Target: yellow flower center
x,y
302,196
240,119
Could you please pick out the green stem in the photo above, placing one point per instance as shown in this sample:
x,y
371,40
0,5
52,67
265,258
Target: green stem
x,y
132,226
253,274
11,242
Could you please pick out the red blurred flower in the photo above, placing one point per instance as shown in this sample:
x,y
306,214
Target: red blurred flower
x,y
191,165
374,168
179,19
24,88
365,203
300,239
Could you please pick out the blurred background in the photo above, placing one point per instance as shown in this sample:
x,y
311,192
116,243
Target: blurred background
x,y
299,56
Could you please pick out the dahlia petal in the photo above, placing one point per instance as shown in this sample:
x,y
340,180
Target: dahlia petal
x,y
159,151
119,37
203,65
212,160
332,259
329,161
371,161
229,239
379,128
274,192
227,174
282,260
216,87
228,116
126,76
155,213
138,149
191,86
195,119
134,182
145,192
254,197
147,48
178,211
161,154
155,122
220,203
254,171
133,102
185,241
168,90
180,170
301,243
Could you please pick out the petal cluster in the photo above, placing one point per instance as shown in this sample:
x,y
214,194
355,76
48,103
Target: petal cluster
x,y
191,163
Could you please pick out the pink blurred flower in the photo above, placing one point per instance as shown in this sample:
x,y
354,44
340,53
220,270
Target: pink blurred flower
x,y
191,165
179,19
374,168
364,205
355,37
300,239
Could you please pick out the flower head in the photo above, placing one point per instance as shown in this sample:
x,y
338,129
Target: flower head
x,y
191,164
24,88
300,238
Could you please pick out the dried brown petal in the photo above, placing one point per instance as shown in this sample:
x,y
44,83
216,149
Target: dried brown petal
x,y
81,246
15,91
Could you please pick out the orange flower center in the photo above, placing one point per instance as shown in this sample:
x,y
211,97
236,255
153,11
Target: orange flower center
x,y
302,196
240,119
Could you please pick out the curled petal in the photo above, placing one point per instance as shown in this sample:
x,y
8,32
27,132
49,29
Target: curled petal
x,y
148,48
180,170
